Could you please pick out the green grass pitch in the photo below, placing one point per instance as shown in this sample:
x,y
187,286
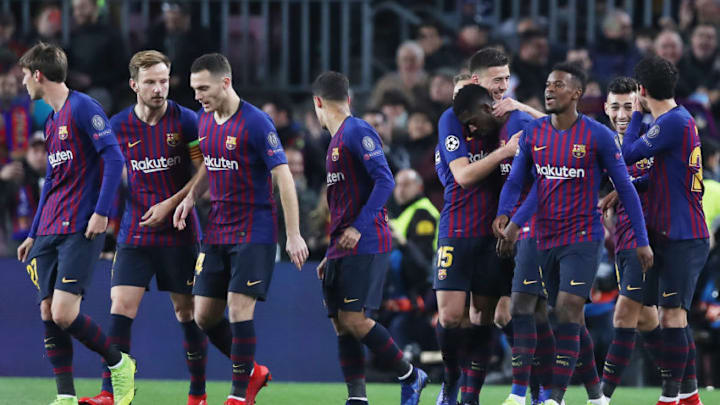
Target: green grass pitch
x,y
41,391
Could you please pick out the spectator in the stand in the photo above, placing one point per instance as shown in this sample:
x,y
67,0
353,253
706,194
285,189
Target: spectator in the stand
x,y
472,38
711,159
182,42
307,197
7,35
441,91
96,55
644,41
15,112
421,142
395,106
293,135
20,184
615,53
531,66
669,45
699,69
414,242
47,26
410,77
395,153
437,52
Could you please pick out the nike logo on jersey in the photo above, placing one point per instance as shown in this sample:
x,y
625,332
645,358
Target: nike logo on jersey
x,y
201,138
66,280
132,144
252,283
526,282
539,148
349,300
574,283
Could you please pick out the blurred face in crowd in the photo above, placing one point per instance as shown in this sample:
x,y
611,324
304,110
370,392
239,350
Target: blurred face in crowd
x,y
535,51
37,157
152,85
210,89
8,87
618,26
429,39
704,42
296,163
49,22
580,55
408,185
561,91
31,83
496,79
419,126
619,108
84,11
280,118
381,125
668,45
441,89
409,60
175,20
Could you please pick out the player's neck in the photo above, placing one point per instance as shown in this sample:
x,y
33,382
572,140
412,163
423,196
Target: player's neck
x,y
564,120
660,107
228,108
55,95
335,118
150,116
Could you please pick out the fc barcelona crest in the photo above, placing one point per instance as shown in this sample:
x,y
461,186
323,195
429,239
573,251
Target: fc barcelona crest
x,y
442,274
231,142
578,151
172,138
335,154
62,132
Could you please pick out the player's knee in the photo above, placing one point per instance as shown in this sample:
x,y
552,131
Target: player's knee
x,y
62,319
205,321
673,318
569,313
523,304
450,319
45,312
184,313
121,306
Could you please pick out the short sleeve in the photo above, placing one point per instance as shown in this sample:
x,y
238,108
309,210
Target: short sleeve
x,y
91,119
451,140
266,141
366,146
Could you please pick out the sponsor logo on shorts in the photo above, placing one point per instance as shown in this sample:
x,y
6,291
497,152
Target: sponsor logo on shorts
x,y
67,280
631,288
349,300
526,282
252,283
575,283
667,294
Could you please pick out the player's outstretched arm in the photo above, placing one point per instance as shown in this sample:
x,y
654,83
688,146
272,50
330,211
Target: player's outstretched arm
x,y
295,246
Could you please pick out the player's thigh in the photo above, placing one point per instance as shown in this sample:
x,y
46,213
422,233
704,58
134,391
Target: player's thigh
x,y
527,278
578,265
241,307
251,266
482,309
42,265
677,278
631,277
126,300
451,307
175,268
208,311
212,272
455,264
77,257
627,312
133,266
65,308
549,267
354,283
492,276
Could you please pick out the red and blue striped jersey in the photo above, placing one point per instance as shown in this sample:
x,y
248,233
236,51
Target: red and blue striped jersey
x,y
359,182
239,155
515,123
466,213
624,235
568,166
158,165
74,138
675,183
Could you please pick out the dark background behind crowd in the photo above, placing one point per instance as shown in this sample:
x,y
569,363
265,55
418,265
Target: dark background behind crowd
x,y
412,69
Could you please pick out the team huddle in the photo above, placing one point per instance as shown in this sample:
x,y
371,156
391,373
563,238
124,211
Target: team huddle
x,y
520,230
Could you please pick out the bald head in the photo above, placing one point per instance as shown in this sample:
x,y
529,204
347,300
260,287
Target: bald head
x,y
408,186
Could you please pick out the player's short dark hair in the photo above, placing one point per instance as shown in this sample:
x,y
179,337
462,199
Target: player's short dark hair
x,y
394,97
332,85
468,97
48,59
658,76
487,58
215,63
622,85
576,70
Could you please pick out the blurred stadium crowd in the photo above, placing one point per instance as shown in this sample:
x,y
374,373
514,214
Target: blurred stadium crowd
x,y
403,106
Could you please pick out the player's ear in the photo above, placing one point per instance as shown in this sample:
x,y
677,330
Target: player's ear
x,y
349,100
642,90
318,101
227,82
38,76
132,84
475,79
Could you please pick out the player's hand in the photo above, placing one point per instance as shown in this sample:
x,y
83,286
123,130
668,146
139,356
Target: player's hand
x,y
499,224
24,249
297,250
609,201
511,233
511,146
505,106
320,269
645,254
504,248
12,172
349,238
156,214
182,211
609,219
97,225
636,104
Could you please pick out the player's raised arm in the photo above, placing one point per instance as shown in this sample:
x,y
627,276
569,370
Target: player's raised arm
x,y
295,245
